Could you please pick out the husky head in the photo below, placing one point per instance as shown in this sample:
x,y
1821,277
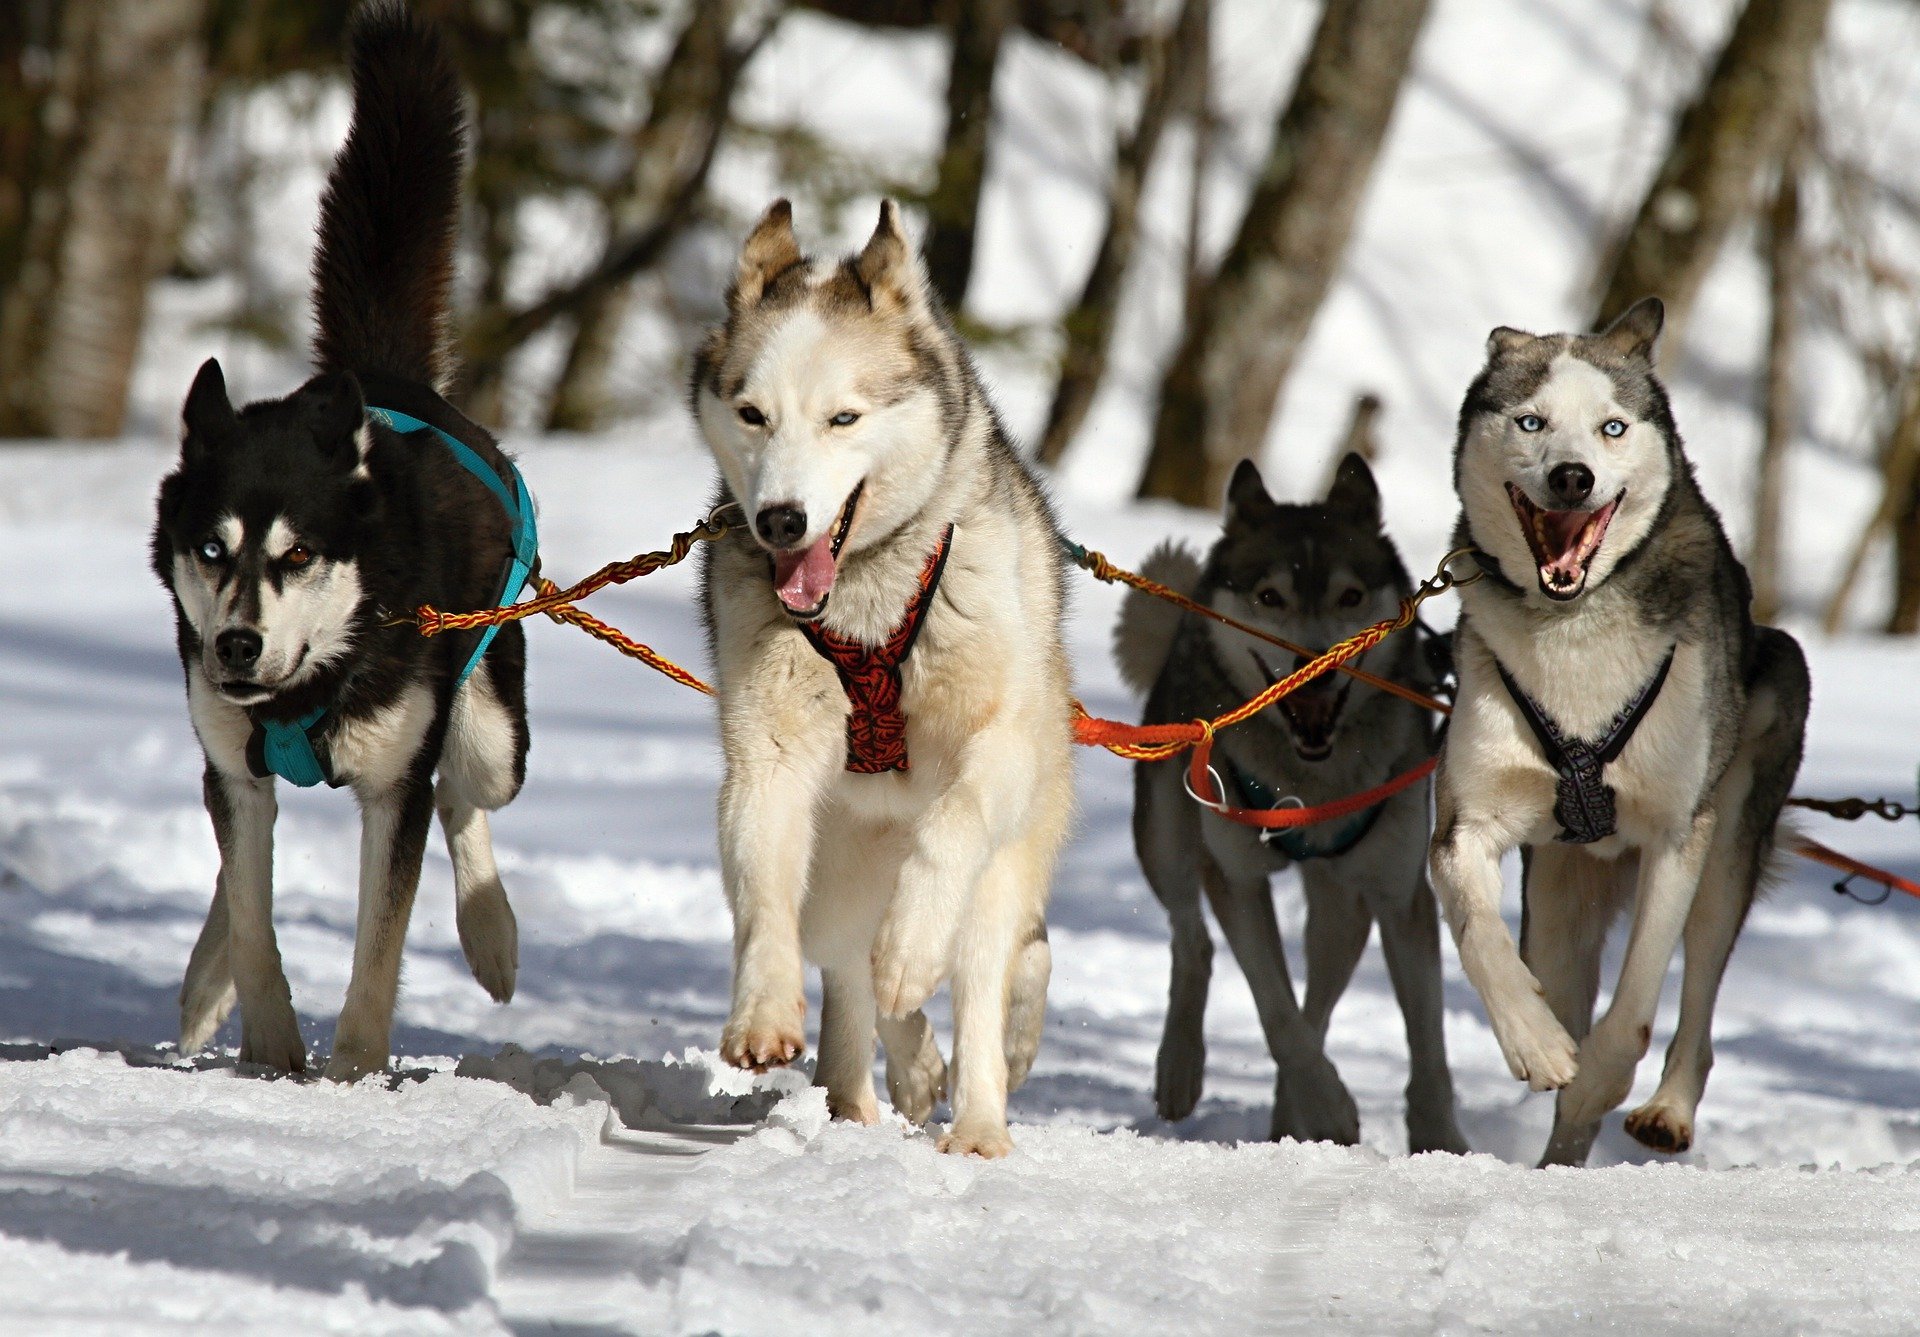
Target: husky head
x,y
1312,574
1566,451
826,398
258,533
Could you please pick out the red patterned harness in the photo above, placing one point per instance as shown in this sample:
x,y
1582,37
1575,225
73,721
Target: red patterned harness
x,y
870,675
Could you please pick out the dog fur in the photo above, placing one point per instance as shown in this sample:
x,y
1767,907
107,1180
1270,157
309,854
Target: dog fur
x,y
1313,574
840,390
1581,628
290,535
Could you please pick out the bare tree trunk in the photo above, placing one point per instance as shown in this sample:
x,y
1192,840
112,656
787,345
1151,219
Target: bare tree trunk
x,y
1223,386
100,214
1206,129
1089,326
1722,143
689,94
1899,506
978,27
1903,507
1784,264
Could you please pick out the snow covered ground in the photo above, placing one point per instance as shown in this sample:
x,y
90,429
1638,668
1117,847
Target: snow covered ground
x,y
648,1190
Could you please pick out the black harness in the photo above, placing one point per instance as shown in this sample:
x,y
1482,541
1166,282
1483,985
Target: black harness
x,y
1584,805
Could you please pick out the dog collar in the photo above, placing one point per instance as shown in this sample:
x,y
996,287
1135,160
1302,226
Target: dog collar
x,y
295,750
1294,843
870,675
1584,802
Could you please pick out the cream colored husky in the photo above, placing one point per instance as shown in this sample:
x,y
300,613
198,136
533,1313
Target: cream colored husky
x,y
894,700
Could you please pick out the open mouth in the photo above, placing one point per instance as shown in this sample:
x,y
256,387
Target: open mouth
x,y
1312,710
1563,542
803,578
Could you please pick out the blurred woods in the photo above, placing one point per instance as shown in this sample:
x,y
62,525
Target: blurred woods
x,y
123,159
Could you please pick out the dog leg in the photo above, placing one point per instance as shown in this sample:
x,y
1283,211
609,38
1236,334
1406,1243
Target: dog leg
x,y
845,1067
1027,1002
243,813
393,839
916,1074
1310,1101
1410,940
981,987
766,847
1338,926
1571,900
1669,878
489,934
207,994
1166,837
1465,867
1665,1123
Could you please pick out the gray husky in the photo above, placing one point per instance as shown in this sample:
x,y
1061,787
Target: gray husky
x,y
1312,574
1620,717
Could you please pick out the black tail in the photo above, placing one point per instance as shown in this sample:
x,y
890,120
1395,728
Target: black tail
x,y
383,273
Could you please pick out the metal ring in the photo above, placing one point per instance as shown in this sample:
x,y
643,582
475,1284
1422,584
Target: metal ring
x,y
1219,787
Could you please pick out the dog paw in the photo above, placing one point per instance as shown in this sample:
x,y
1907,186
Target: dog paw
x,y
1434,1130
917,1083
350,1063
273,1041
1179,1075
861,1107
904,974
764,1035
490,938
988,1141
1537,1047
1659,1127
1315,1106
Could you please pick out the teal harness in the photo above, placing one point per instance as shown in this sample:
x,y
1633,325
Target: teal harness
x,y
1294,843
293,749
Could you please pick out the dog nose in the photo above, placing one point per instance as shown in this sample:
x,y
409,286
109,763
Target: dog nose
x,y
781,526
238,650
1571,483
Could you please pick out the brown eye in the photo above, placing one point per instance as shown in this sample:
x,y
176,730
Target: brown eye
x,y
1350,599
296,556
752,416
1270,598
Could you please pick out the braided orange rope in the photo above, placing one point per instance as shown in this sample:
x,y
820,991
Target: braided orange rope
x,y
1097,565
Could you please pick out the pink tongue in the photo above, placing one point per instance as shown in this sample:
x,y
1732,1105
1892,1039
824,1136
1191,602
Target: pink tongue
x,y
1563,530
802,579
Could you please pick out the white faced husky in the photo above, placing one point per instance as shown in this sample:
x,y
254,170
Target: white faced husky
x,y
292,533
893,692
1619,715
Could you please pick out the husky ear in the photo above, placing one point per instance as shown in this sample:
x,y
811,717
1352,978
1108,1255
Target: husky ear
x,y
1354,490
208,417
1246,495
1636,330
337,414
769,251
1505,339
889,266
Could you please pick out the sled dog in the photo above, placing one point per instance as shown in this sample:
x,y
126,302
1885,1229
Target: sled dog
x,y
1620,718
293,534
1313,574
893,692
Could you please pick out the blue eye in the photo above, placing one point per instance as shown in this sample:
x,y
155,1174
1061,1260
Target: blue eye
x,y
844,418
1613,427
213,550
1530,422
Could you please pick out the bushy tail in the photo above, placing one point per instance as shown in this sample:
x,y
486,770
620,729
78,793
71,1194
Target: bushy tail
x,y
383,274
1144,636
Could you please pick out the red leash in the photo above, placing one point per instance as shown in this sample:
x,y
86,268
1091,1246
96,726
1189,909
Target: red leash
x,y
1201,779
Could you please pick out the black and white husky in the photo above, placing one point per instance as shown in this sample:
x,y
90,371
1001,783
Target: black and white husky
x,y
1620,717
295,535
1314,574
